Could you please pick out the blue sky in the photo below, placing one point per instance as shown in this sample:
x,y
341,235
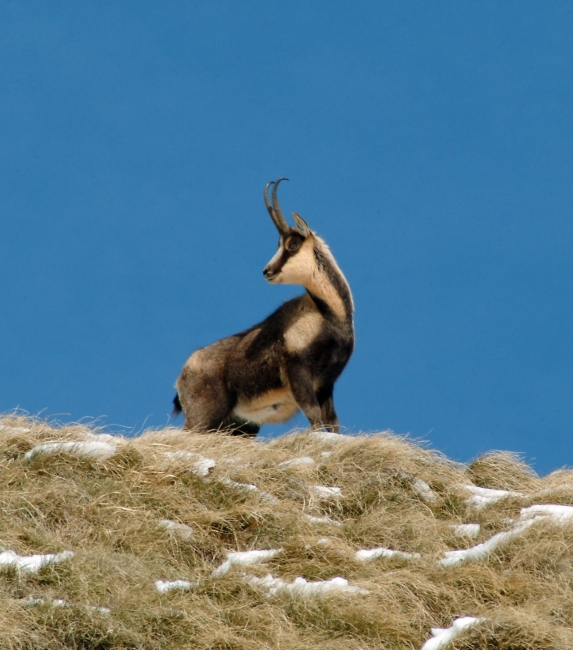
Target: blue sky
x,y
430,144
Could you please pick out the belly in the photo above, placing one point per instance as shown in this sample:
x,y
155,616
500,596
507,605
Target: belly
x,y
273,406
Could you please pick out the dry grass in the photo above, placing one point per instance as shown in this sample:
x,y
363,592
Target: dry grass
x,y
108,512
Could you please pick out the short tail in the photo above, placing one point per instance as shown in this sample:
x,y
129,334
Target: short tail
x,y
176,406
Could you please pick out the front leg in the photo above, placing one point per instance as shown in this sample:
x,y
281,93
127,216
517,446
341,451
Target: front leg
x,y
301,384
329,416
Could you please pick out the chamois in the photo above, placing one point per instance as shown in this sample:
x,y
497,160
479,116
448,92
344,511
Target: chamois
x,y
288,362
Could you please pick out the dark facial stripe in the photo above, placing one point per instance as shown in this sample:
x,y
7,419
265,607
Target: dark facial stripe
x,y
286,253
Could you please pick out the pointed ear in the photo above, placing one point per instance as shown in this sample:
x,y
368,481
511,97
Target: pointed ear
x,y
300,224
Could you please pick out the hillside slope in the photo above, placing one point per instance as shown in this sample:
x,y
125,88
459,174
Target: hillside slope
x,y
109,542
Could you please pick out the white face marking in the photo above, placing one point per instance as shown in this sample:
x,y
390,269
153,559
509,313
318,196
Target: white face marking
x,y
274,260
302,269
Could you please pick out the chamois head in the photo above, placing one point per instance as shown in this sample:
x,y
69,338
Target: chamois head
x,y
294,262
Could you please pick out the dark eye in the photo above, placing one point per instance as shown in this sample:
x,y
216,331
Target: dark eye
x,y
293,245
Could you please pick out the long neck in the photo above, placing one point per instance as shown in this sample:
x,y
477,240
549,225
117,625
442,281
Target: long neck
x,y
329,285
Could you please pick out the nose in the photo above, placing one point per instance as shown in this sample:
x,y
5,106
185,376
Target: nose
x,y
269,273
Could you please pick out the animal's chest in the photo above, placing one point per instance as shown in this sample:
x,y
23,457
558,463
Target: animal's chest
x,y
314,336
329,355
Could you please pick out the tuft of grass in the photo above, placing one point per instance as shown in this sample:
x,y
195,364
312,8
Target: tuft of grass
x,y
503,470
111,513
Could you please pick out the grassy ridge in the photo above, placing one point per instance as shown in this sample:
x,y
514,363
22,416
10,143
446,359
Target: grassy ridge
x,y
112,512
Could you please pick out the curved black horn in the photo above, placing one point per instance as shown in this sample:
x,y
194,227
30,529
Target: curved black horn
x,y
276,216
267,202
277,208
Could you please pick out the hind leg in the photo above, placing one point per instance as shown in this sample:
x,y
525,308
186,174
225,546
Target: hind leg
x,y
204,399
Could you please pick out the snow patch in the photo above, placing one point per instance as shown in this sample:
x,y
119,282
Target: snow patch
x,y
203,466
83,449
324,492
245,558
174,585
443,636
180,455
200,465
267,496
182,530
59,602
424,491
482,497
329,436
234,461
300,587
321,520
466,530
528,516
32,563
238,486
303,460
559,514
367,555
481,551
